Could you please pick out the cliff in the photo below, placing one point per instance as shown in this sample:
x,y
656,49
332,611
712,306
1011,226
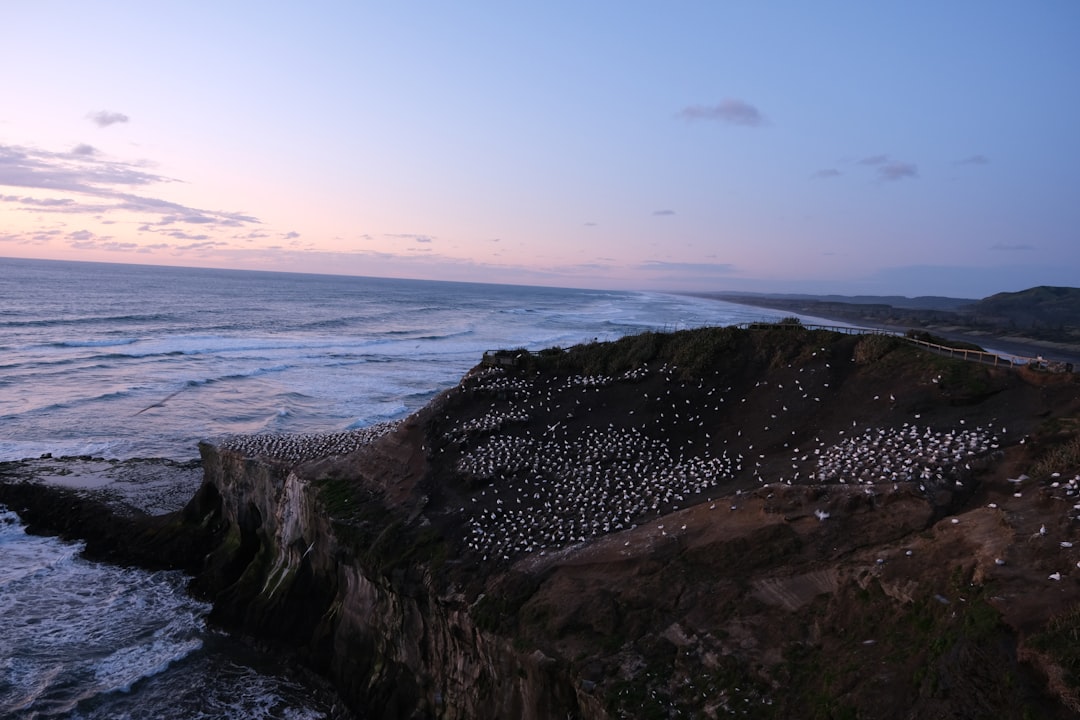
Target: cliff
x,y
324,582
763,523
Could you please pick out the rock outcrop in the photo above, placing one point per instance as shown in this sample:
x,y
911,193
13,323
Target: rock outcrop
x,y
393,643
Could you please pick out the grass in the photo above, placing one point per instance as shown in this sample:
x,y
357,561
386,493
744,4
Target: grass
x,y
1061,641
693,352
383,541
1063,459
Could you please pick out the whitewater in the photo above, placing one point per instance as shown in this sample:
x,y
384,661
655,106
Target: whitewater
x,y
124,361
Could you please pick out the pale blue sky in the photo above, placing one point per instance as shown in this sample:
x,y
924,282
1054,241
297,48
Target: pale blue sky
x,y
910,148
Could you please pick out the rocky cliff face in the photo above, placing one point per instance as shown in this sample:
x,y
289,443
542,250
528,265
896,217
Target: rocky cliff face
x,y
393,644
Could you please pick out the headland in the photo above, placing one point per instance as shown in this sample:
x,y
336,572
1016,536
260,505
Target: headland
x,y
767,522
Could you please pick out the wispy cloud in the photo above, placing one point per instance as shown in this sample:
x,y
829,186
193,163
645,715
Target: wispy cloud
x,y
37,203
108,183
181,235
104,118
897,171
38,237
75,172
663,212
415,237
203,245
974,160
684,267
827,173
198,244
1012,248
888,170
729,110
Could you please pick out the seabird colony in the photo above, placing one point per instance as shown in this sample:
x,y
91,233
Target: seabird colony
x,y
542,493
545,491
302,447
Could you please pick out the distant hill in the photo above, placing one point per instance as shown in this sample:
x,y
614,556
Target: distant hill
x,y
1039,307
1043,316
923,302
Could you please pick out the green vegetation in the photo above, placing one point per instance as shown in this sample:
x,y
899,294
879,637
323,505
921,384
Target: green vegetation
x,y
872,348
363,522
926,337
1061,641
694,352
1063,458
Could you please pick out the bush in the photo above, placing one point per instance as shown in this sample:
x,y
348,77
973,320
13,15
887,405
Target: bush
x,y
872,348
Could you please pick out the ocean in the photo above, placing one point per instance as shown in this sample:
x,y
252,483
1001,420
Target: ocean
x,y
126,361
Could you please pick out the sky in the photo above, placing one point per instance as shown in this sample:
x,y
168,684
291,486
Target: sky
x,y
915,148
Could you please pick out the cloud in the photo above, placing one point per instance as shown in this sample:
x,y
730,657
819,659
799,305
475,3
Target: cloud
x,y
890,170
663,212
108,182
291,235
181,235
1001,246
590,224
84,149
729,110
37,238
683,267
110,245
827,173
974,160
33,168
104,118
412,236
207,245
38,202
897,171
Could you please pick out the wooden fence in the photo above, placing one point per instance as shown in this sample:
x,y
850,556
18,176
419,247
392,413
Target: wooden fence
x,y
979,356
501,358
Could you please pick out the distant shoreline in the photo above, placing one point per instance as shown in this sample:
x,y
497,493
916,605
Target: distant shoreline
x,y
1019,346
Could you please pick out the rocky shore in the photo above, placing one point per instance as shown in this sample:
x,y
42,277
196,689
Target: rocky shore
x,y
722,522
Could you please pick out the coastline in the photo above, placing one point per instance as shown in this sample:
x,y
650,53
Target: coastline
x,y
1001,344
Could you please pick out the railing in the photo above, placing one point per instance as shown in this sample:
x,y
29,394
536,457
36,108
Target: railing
x,y
502,358
980,356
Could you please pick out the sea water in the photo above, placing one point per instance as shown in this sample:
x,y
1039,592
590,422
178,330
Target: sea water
x,y
124,361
